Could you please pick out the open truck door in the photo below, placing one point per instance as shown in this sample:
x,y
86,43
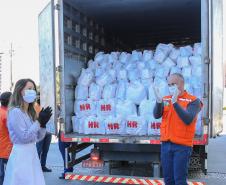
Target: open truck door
x,y
47,63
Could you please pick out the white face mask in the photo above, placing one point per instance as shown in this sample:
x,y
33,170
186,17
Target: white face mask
x,y
172,89
29,95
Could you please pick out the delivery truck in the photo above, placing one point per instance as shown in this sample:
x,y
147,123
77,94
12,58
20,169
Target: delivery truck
x,y
72,32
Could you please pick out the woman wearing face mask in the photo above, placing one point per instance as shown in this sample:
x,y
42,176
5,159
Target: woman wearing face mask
x,y
25,129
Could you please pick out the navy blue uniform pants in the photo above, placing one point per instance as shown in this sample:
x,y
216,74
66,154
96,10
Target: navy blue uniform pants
x,y
175,162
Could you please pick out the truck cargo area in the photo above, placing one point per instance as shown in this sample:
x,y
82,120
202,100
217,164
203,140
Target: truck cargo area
x,y
140,24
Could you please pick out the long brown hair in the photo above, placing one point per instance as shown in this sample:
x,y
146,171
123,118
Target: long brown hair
x,y
17,99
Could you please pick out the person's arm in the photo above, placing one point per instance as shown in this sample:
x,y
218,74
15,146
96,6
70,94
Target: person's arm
x,y
158,110
188,115
19,131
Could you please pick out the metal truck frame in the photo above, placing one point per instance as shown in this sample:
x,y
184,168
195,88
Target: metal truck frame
x,y
114,148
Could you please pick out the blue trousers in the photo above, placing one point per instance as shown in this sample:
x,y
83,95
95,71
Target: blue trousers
x,y
62,146
175,161
3,163
43,148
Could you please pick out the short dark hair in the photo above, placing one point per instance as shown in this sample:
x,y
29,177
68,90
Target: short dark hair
x,y
5,97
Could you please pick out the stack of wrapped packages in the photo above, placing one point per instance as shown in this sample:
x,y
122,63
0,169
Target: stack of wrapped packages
x,y
115,94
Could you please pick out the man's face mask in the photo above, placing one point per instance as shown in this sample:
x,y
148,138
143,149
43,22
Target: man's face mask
x,y
29,95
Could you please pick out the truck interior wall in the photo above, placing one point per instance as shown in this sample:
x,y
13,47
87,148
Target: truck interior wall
x,y
128,25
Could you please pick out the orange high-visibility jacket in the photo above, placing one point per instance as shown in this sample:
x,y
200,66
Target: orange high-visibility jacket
x,y
173,128
5,142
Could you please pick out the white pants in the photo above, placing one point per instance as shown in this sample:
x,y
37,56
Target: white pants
x,y
23,167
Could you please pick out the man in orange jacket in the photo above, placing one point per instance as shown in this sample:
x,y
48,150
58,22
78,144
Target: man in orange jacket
x,y
179,115
5,143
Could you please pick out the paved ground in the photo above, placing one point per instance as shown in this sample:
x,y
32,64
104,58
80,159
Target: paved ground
x,y
216,165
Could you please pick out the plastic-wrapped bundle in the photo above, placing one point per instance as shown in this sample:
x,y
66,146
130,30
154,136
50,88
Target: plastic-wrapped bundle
x,y
175,69
186,71
92,65
99,71
115,125
103,79
147,55
166,48
122,74
174,54
106,107
153,125
112,75
136,126
78,124
197,71
186,51
130,66
160,56
162,85
151,94
136,56
197,49
182,62
146,108
140,65
168,63
121,90
133,74
99,57
84,108
146,74
196,82
94,125
125,108
81,92
136,92
86,77
151,64
195,60
162,72
123,58
147,83
95,91
109,91
188,88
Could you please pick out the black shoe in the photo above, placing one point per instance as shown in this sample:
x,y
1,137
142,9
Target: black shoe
x,y
45,169
62,176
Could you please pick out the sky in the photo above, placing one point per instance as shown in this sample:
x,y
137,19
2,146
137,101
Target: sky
x,y
19,26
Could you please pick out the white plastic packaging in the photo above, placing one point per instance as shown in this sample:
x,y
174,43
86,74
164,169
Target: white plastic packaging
x,y
136,126
95,91
106,107
115,125
182,62
136,92
153,126
86,77
121,90
103,79
81,92
84,108
94,125
146,108
125,108
109,91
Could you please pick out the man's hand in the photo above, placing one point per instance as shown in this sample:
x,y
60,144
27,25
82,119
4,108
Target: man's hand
x,y
157,94
175,95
